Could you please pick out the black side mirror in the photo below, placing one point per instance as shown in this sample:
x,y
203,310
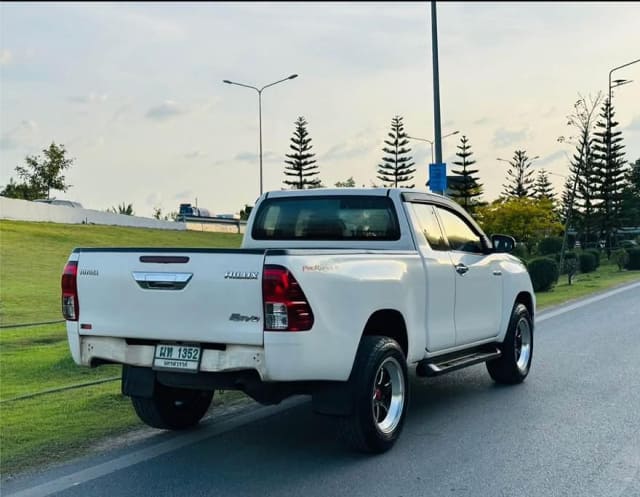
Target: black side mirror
x,y
503,243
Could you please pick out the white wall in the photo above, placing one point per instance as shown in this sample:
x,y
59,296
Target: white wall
x,y
23,210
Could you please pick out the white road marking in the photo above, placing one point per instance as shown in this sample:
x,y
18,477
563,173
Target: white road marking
x,y
147,453
543,316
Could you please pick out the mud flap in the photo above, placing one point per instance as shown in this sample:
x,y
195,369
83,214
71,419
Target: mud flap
x,y
138,382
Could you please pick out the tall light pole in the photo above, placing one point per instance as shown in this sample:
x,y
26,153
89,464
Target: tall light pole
x,y
293,76
436,83
619,82
430,142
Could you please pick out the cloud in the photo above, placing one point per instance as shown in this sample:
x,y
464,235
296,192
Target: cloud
x,y
195,154
504,138
481,121
356,146
18,135
558,154
634,125
248,157
88,99
448,124
5,57
165,110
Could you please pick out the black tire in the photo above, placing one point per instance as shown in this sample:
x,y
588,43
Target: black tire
x,y
517,349
362,430
173,408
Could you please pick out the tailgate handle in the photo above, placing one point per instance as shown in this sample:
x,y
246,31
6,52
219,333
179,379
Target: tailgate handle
x,y
162,281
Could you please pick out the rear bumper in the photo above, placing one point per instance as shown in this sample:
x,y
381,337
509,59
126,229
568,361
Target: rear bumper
x,y
284,356
234,358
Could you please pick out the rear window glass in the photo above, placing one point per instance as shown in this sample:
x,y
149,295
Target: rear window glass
x,y
326,218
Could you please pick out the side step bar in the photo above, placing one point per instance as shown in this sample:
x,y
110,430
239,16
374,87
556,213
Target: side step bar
x,y
451,362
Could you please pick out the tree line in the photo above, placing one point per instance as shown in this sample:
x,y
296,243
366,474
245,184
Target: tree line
x,y
601,193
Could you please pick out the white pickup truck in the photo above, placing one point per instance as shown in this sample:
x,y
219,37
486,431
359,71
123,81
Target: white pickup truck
x,y
335,293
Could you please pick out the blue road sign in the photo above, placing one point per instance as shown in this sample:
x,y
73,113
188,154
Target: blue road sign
x,y
438,178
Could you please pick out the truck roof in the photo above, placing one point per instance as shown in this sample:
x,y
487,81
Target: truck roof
x,y
348,191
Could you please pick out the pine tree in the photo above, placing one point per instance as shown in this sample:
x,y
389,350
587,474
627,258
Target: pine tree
x,y
631,196
582,167
468,189
566,200
519,176
397,166
609,173
301,164
543,189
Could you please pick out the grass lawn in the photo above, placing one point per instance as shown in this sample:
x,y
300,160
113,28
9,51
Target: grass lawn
x,y
606,276
60,425
33,256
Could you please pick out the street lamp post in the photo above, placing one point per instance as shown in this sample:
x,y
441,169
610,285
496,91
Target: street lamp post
x,y
293,76
430,142
619,82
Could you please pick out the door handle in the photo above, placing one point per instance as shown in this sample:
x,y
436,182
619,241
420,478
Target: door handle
x,y
461,268
162,281
497,272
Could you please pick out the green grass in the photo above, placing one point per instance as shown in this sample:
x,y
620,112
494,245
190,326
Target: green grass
x,y
36,359
33,255
606,276
45,429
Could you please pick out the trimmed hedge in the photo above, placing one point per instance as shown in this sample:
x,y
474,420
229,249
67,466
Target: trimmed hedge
x,y
587,262
621,258
596,254
544,273
550,245
634,258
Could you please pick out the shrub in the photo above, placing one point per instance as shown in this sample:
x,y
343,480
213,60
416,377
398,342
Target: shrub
x,y
544,273
570,269
520,250
587,262
634,259
550,245
567,256
596,254
621,258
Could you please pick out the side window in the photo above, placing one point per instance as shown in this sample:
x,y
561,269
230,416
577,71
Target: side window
x,y
459,233
430,227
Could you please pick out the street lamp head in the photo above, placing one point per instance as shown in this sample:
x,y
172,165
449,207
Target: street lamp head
x,y
455,133
536,157
226,81
293,76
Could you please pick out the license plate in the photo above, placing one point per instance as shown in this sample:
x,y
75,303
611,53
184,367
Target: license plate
x,y
177,357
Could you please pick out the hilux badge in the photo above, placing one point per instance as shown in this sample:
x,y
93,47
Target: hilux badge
x,y
241,275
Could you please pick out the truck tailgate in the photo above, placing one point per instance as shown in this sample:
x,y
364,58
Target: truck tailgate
x,y
212,296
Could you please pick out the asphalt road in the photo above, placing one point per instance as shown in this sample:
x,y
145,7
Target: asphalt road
x,y
572,429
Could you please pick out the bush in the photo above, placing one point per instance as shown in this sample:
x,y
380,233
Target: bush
x,y
544,273
520,250
550,245
621,258
567,256
587,262
596,254
634,259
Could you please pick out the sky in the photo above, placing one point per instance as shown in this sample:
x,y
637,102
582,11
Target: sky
x,y
134,90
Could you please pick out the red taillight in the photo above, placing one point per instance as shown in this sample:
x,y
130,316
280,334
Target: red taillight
x,y
285,305
70,307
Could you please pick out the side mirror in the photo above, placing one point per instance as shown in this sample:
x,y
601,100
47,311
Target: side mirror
x,y
503,243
